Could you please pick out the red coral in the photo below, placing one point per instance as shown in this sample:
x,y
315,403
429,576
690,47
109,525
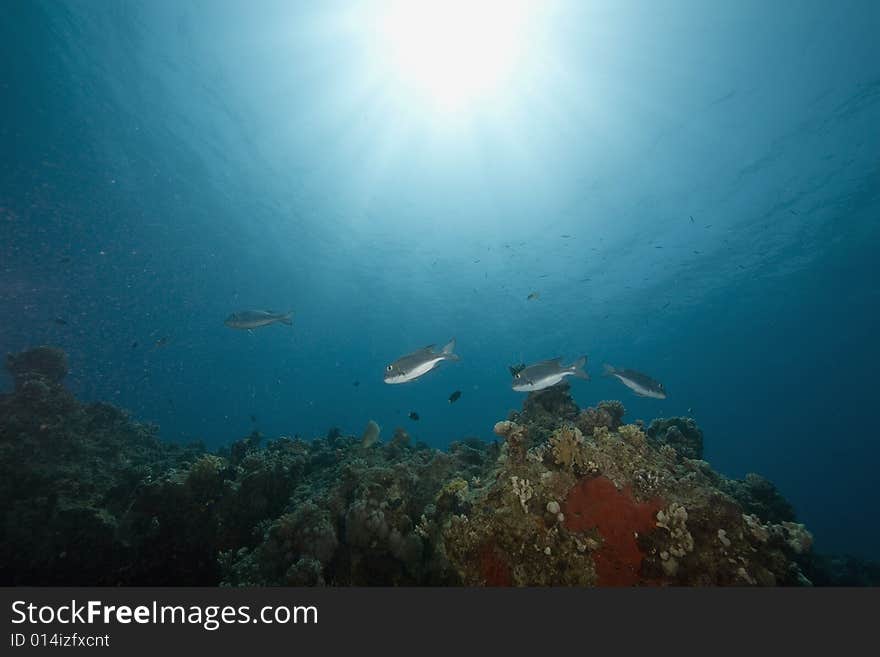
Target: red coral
x,y
596,503
494,569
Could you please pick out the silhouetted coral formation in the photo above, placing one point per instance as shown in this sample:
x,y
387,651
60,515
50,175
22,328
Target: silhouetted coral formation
x,y
680,433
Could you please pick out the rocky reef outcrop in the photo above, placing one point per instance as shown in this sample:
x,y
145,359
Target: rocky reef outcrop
x,y
562,496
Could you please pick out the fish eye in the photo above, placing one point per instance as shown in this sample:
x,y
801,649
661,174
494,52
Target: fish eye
x,y
390,367
518,375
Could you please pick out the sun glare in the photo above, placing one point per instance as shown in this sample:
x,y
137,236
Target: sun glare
x,y
454,53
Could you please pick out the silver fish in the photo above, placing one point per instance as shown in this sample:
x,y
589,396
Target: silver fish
x,y
641,384
412,366
251,319
547,373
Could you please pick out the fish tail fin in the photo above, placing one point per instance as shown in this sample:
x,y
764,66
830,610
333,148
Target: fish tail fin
x,y
448,350
287,318
609,371
578,368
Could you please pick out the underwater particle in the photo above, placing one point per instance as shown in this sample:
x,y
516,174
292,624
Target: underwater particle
x,y
134,345
371,434
412,366
533,296
553,507
547,373
253,418
641,384
251,319
413,416
454,396
356,383
161,342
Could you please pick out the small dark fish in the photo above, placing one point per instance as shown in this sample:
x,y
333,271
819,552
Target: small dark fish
x,y
253,418
356,384
692,218
454,396
565,237
413,416
134,344
658,247
696,252
161,342
516,369
476,261
584,280
64,260
60,321
533,295
666,305
543,276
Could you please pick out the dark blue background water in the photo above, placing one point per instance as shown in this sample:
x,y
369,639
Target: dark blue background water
x,y
164,164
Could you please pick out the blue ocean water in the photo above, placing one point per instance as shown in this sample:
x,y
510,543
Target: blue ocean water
x,y
692,189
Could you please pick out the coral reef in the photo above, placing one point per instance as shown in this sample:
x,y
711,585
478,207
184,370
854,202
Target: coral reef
x,y
680,433
608,414
567,497
759,496
46,363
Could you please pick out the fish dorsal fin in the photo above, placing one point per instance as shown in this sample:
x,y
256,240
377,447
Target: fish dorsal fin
x,y
429,349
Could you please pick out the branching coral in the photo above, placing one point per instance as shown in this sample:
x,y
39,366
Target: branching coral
x,y
566,446
523,490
